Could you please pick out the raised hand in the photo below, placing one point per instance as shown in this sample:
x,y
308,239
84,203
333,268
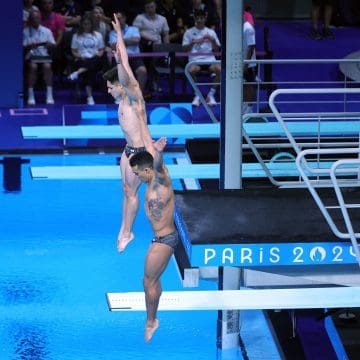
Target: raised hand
x,y
116,24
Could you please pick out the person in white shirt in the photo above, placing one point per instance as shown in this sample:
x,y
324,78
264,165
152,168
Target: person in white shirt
x,y
154,29
87,47
38,41
204,41
249,43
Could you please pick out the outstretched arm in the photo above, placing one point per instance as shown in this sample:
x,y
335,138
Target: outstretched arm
x,y
161,172
121,55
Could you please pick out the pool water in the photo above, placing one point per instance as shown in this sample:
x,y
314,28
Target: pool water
x,y
58,259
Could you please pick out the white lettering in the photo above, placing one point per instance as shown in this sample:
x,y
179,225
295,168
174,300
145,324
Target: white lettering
x,y
209,254
274,255
337,251
245,254
298,252
352,251
261,255
228,254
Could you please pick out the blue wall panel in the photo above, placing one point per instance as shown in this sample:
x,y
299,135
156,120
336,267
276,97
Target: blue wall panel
x,y
11,59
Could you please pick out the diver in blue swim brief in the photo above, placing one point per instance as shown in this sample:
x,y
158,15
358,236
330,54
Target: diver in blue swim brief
x,y
171,239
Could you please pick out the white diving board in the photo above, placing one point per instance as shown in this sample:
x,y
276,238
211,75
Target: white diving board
x,y
299,298
192,171
299,128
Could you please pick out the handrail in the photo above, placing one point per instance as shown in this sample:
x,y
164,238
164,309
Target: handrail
x,y
196,88
341,166
303,168
278,116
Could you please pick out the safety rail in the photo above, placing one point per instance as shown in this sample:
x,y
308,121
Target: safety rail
x,y
269,85
344,168
294,145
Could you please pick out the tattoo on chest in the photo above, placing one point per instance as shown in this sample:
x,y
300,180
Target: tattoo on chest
x,y
156,208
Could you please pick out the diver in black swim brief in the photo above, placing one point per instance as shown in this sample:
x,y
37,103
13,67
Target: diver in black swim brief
x,y
171,239
130,150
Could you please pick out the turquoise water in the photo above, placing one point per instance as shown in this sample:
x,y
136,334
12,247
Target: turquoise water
x,y
57,261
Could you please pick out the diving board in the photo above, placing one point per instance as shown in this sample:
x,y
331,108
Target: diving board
x,y
191,171
115,132
244,299
298,128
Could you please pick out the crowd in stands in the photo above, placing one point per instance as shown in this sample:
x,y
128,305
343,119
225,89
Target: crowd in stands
x,y
73,41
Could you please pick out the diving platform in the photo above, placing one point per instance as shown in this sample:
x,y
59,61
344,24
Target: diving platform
x,y
262,227
308,128
243,299
177,171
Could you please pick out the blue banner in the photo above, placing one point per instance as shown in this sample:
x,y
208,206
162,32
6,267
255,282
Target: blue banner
x,y
283,254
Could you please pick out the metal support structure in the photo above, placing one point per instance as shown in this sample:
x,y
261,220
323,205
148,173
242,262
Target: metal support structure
x,y
231,147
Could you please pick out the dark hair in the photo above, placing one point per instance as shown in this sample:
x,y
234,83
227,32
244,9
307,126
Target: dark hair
x,y
142,159
86,17
111,75
198,13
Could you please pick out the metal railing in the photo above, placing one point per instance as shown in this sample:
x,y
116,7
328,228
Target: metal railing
x,y
349,171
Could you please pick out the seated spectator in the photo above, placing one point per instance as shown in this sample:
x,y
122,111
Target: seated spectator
x,y
212,18
87,47
154,29
38,42
174,14
131,37
27,9
55,22
201,39
101,22
71,12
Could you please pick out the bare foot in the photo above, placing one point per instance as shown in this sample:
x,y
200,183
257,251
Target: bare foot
x,y
123,242
150,329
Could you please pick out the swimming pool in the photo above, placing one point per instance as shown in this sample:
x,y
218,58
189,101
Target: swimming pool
x,y
58,258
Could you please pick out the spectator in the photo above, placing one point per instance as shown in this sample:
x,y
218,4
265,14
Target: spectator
x,y
212,18
55,22
174,15
249,53
87,47
248,16
154,29
27,9
52,20
327,7
201,39
131,37
71,11
101,23
38,41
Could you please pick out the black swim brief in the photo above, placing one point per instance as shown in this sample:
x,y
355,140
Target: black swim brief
x,y
171,240
129,150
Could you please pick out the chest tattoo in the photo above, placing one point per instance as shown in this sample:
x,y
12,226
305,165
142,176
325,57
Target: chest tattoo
x,y
156,208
